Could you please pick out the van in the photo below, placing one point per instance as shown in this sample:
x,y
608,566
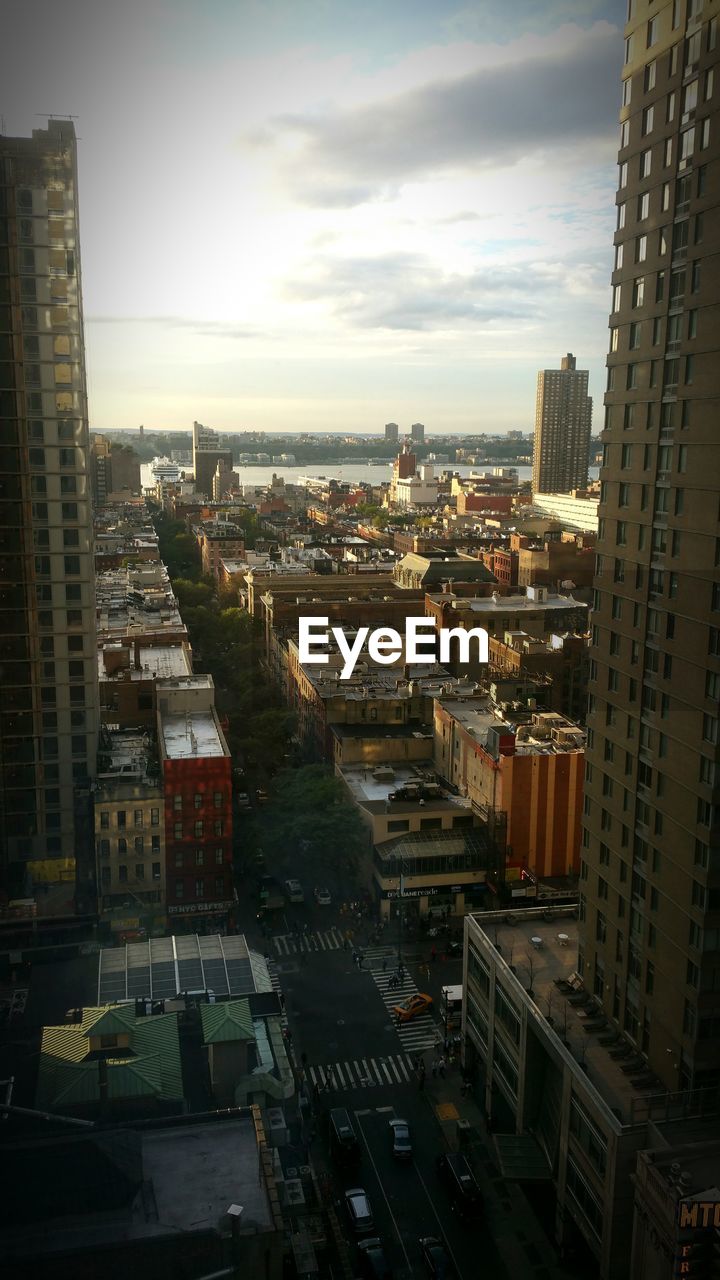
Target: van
x,y
344,1146
455,1172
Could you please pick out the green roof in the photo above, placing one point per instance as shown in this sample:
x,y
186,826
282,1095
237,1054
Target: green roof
x,y
68,1072
229,1021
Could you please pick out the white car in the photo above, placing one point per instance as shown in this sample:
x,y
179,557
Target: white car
x,y
322,897
294,891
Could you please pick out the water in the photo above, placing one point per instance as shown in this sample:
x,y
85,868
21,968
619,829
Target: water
x,y
353,471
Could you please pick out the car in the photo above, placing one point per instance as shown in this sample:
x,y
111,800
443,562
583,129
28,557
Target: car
x,y
242,800
373,1261
322,896
294,891
435,1257
454,1170
401,1145
419,1003
359,1211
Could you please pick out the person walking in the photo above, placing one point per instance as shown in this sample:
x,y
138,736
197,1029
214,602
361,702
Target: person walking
x,y
441,1068
361,957
434,1069
433,953
421,1081
384,964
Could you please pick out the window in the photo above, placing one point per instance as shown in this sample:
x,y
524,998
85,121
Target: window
x,y
198,800
645,163
177,830
218,799
621,217
154,817
199,857
199,888
650,76
648,117
638,293
179,888
643,206
122,873
199,827
705,134
177,802
622,177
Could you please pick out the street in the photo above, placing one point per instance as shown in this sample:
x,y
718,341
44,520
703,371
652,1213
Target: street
x,y
353,1054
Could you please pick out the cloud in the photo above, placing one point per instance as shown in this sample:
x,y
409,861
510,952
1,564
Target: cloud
x,y
408,291
554,96
207,328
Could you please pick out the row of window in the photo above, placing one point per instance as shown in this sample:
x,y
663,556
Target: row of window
x,y
649,35
684,232
687,185
696,136
639,291
679,325
122,873
105,848
121,818
668,373
198,829
203,888
199,857
200,798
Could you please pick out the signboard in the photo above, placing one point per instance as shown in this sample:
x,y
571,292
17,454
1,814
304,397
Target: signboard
x,y
194,908
411,893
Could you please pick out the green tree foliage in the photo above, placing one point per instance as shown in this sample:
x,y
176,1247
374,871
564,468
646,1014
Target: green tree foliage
x,y
190,594
178,549
309,810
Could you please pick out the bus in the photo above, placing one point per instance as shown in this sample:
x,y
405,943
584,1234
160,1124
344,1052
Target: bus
x,y
451,999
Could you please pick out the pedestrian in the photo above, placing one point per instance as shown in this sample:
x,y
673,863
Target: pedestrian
x,y
446,1045
361,957
282,1002
354,957
433,953
384,964
441,1068
434,1069
401,972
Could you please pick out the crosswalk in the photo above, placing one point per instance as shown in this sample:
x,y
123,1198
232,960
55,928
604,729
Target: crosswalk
x,y
275,979
364,1073
290,944
420,1032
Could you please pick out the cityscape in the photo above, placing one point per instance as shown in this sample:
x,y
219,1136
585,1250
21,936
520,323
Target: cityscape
x,y
359,814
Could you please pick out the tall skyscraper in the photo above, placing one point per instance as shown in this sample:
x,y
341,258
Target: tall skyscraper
x,y
650,912
563,415
207,452
417,433
391,432
48,677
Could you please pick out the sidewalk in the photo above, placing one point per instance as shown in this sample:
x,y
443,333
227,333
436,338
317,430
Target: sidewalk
x,y
521,1243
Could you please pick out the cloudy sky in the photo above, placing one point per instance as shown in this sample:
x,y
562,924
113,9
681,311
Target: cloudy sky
x,y
330,214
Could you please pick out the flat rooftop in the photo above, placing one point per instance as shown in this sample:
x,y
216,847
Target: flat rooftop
x,y
372,785
511,604
478,715
195,735
162,661
538,966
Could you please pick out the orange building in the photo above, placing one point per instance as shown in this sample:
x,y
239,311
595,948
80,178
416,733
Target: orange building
x,y
531,772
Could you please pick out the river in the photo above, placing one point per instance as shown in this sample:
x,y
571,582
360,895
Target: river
x,y
353,471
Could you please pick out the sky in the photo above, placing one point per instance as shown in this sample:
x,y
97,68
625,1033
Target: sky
x,y
326,215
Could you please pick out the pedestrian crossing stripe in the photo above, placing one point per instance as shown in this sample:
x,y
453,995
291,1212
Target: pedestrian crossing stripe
x,y
364,1073
287,944
275,980
421,1032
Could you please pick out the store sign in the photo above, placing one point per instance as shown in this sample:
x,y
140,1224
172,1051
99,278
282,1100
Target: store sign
x,y
195,908
411,893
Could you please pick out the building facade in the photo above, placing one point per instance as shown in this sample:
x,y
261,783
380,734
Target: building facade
x,y
48,690
563,415
207,453
651,876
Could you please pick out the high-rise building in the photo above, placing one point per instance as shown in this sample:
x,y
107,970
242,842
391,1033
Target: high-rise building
x,y
207,452
115,468
417,433
48,675
391,432
563,415
650,913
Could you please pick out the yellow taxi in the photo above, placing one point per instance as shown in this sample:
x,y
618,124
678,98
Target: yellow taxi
x,y
418,1003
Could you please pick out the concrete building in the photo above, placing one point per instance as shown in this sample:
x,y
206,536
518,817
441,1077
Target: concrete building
x,y
563,417
417,433
391,432
433,569
650,926
207,453
218,540
578,510
528,770
196,774
424,841
557,561
115,469
561,659
129,676
129,834
48,698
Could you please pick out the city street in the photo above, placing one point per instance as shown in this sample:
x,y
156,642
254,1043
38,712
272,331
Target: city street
x,y
343,1033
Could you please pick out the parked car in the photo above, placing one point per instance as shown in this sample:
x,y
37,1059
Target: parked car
x,y
373,1261
322,896
294,891
401,1145
359,1211
419,1003
435,1257
454,1170
242,800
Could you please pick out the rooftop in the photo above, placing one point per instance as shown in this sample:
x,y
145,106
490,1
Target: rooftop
x,y
548,732
162,661
161,968
195,735
537,965
512,604
129,754
374,786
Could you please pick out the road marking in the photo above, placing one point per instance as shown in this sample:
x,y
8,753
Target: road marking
x,y
380,1110
387,1202
441,1232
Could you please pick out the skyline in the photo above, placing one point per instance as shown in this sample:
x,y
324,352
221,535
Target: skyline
x,y
418,231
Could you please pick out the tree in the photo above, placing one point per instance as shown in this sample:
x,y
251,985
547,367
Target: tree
x,y
190,593
310,810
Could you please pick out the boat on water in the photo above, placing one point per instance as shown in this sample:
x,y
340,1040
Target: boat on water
x,y
165,469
